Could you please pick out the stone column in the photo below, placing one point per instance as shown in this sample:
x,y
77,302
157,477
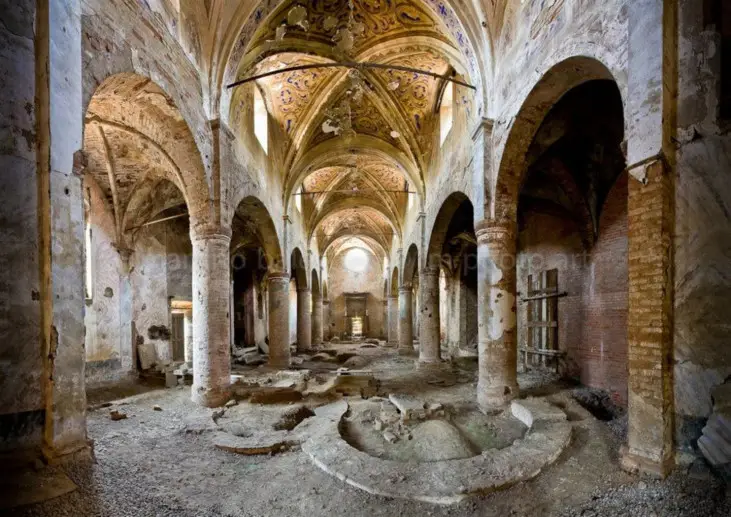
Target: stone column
x,y
211,317
278,289
326,320
496,314
392,320
384,323
317,332
429,338
304,320
188,336
405,326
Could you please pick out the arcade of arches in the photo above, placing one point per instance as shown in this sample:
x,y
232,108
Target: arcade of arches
x,y
455,244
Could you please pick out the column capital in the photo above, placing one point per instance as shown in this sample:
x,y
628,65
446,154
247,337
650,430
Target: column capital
x,y
429,271
325,301
277,276
204,233
490,231
406,288
303,289
393,296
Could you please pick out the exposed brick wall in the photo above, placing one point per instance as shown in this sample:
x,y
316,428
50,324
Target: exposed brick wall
x,y
603,354
592,318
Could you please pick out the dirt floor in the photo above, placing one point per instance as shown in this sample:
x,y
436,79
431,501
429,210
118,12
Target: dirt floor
x,y
161,462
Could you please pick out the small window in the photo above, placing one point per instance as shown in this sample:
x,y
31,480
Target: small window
x,y
298,199
261,120
446,112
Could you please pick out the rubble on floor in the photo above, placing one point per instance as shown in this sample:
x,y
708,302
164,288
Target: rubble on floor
x,y
715,444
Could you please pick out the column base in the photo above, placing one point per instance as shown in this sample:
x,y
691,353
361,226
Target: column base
x,y
634,463
496,397
280,364
392,344
77,453
407,351
431,366
209,397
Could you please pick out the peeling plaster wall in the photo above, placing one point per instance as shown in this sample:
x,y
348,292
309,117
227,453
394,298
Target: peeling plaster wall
x,y
104,320
21,364
342,281
703,229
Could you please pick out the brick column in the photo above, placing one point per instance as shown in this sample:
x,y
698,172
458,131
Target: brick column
x,y
392,320
278,288
650,323
326,320
304,320
317,332
405,325
211,318
496,313
429,338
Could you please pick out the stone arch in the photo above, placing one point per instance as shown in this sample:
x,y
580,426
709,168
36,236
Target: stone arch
x,y
253,220
130,118
298,268
315,283
554,84
441,225
394,281
411,265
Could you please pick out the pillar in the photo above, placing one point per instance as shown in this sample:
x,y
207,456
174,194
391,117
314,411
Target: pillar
x,y
278,289
211,317
188,336
304,320
651,149
405,327
317,331
392,320
429,340
326,320
384,324
496,314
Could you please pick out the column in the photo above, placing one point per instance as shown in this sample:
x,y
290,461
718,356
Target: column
x,y
429,340
278,289
317,332
650,130
392,320
188,336
326,320
211,317
384,324
405,328
496,314
304,320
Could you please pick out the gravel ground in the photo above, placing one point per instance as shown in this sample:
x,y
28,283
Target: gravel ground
x,y
162,463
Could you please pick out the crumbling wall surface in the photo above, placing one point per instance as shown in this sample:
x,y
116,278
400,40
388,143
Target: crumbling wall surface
x,y
21,365
103,316
342,280
702,351
150,307
179,252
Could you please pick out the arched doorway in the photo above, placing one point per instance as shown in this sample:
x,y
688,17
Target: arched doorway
x,y
302,302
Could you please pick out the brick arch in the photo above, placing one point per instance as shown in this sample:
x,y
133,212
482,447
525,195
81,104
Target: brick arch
x,y
394,282
554,84
315,283
411,265
298,268
252,216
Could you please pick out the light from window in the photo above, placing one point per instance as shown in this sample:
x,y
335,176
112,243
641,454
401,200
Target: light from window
x,y
446,113
298,199
356,260
88,277
261,120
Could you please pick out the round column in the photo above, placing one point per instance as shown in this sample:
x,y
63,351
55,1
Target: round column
x,y
496,314
211,319
304,320
278,289
392,320
429,338
384,324
405,328
317,331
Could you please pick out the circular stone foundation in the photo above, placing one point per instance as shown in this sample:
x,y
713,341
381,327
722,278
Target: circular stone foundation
x,y
456,433
441,481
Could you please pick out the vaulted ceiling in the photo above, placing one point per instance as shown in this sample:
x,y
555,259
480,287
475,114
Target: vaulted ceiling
x,y
356,141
